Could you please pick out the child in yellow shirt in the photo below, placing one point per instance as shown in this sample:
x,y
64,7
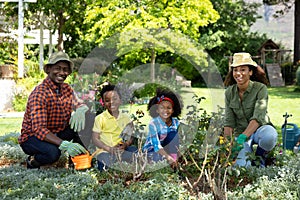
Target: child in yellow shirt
x,y
107,129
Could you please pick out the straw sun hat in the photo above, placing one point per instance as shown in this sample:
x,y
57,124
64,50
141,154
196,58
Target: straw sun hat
x,y
240,59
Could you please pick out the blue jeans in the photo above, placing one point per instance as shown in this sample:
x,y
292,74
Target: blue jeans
x,y
170,145
47,153
106,159
265,137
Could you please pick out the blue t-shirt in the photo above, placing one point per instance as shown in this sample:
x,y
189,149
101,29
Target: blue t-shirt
x,y
158,131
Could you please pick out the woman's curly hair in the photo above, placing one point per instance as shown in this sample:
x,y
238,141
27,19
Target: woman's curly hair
x,y
258,75
160,93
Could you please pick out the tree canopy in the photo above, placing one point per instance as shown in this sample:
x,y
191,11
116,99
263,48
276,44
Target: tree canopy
x,y
180,34
231,33
107,17
147,28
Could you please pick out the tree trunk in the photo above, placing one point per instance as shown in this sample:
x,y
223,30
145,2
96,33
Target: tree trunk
x,y
50,43
152,67
61,22
297,32
42,42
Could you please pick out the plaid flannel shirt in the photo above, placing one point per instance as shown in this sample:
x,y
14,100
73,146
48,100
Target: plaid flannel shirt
x,y
48,109
158,131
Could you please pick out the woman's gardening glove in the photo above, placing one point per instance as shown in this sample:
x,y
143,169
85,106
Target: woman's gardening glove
x,y
77,120
239,143
73,149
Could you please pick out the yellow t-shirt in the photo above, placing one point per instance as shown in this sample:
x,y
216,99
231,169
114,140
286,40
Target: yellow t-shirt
x,y
110,128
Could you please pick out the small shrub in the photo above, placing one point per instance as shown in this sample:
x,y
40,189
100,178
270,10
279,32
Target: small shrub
x,y
24,87
205,171
271,183
11,152
10,137
147,91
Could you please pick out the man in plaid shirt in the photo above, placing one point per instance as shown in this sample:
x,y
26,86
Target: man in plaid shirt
x,y
50,125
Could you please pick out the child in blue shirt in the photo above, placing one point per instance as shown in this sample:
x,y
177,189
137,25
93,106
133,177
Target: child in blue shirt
x,y
162,141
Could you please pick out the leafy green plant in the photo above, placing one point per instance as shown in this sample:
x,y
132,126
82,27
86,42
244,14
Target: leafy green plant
x,y
24,87
8,46
19,102
10,151
280,182
205,171
147,91
10,137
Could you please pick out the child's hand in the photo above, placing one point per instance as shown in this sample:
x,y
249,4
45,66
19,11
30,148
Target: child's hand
x,y
119,148
122,145
116,149
172,162
174,165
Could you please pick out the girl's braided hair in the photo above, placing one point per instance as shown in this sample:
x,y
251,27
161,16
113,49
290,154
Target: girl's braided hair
x,y
165,93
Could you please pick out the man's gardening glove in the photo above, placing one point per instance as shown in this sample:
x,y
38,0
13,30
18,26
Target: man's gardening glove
x,y
239,143
73,149
77,120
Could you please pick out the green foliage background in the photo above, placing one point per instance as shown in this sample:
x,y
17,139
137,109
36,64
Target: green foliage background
x,y
220,27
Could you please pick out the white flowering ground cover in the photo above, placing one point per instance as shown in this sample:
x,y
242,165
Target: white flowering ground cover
x,y
16,182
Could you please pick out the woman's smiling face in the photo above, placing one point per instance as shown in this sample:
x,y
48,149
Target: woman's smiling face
x,y
241,74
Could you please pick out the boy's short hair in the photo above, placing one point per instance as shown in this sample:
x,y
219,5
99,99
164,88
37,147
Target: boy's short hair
x,y
108,88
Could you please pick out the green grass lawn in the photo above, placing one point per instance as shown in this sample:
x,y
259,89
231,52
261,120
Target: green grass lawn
x,y
284,100
8,125
281,100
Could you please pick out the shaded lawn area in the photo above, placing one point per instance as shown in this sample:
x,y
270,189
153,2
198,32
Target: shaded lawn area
x,y
281,100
